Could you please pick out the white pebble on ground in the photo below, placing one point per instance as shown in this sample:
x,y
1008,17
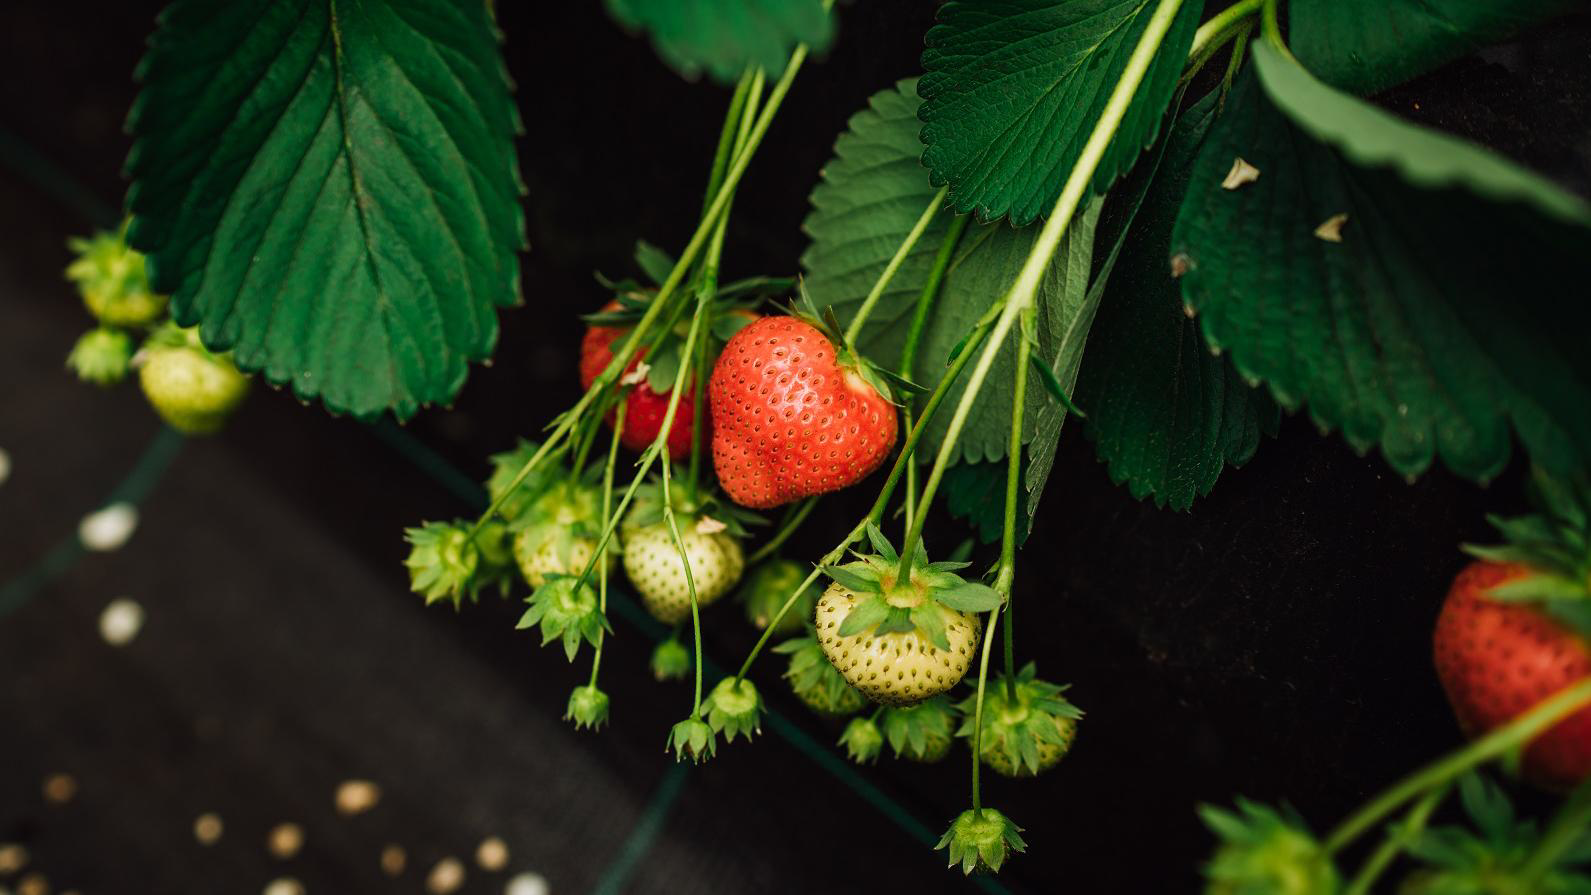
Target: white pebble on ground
x,y
527,884
446,877
120,621
492,854
357,797
109,528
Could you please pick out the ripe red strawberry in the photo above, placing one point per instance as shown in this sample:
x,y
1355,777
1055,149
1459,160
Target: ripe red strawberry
x,y
793,417
1514,631
644,409
1497,659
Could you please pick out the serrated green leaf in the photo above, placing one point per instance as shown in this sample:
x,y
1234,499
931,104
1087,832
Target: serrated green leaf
x,y
975,493
330,190
1439,318
1369,45
871,195
653,261
723,37
1164,413
1011,90
863,616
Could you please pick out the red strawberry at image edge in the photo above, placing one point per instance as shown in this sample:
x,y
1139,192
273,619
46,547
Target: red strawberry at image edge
x,y
1497,659
644,409
790,419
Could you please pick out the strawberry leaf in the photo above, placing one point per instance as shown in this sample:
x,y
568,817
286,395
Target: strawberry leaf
x,y
653,261
1365,46
928,619
1011,89
881,544
1435,325
724,37
330,190
871,195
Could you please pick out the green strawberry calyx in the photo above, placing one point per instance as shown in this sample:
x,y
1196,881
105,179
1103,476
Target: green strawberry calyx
x,y
1262,850
506,467
671,661
565,613
734,708
853,364
887,604
1554,544
863,741
815,680
692,739
114,280
588,707
442,560
920,732
1020,715
102,356
981,839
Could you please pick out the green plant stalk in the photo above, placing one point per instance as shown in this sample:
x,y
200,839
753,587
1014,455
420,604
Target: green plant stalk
x,y
1512,735
792,521
1396,841
690,584
1567,828
914,335
1021,293
977,711
1272,29
726,135
874,515
602,566
1220,29
854,330
1006,577
622,357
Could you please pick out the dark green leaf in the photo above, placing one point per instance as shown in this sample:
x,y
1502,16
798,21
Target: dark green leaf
x,y
853,577
1012,88
653,261
871,195
1165,414
723,37
1436,322
975,492
1370,45
330,190
1052,384
664,367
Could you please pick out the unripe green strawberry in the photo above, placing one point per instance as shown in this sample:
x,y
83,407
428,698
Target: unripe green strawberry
x,y
1028,726
565,613
769,586
984,839
442,560
113,281
559,532
588,707
900,642
693,739
192,389
921,732
815,681
671,660
652,561
102,356
734,708
506,467
1263,852
863,741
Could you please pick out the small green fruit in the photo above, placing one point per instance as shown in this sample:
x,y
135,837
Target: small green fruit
x,y
191,388
113,280
671,660
982,840
102,356
588,707
442,560
769,586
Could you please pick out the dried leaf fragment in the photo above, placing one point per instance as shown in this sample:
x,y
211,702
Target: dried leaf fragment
x,y
1242,172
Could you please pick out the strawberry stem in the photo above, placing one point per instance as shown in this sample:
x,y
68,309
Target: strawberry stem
x,y
1398,838
977,709
854,330
914,335
1512,735
690,580
601,555
1006,577
1218,32
1020,295
710,219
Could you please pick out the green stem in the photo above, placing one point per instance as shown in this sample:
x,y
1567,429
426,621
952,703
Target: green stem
x,y
914,335
1021,293
792,521
704,229
1006,577
726,135
1221,26
1397,840
1272,29
690,583
1567,829
977,712
602,566
1513,735
854,331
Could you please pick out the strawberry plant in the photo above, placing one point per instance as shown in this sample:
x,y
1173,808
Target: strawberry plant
x,y
1172,221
